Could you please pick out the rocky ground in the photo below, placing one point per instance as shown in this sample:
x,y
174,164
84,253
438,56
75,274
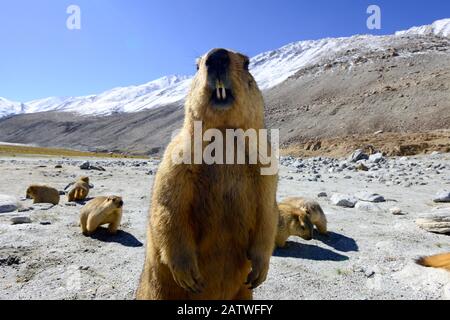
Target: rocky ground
x,y
369,253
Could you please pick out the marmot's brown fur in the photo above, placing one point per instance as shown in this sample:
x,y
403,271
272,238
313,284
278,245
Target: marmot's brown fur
x,y
293,221
312,209
437,261
80,190
100,211
211,227
297,217
42,194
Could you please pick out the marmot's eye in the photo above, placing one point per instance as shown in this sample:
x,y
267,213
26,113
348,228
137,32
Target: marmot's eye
x,y
246,64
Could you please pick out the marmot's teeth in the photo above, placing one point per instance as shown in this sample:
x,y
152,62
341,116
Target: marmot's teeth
x,y
218,93
220,90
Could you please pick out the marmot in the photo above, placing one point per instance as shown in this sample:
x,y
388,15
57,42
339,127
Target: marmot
x,y
100,211
312,209
292,221
80,190
437,261
43,194
212,226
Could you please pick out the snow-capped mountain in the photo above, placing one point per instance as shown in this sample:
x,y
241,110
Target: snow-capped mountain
x,y
439,28
8,107
269,69
126,99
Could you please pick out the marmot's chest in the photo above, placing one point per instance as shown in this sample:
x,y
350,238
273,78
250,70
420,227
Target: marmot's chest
x,y
226,196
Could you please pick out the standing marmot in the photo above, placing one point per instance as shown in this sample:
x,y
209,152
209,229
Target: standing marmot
x,y
100,211
212,226
43,194
80,190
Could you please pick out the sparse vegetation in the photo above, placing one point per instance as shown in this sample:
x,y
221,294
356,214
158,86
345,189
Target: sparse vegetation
x,y
12,150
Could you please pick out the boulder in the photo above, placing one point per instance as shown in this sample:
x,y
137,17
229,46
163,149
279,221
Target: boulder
x,y
358,155
7,203
370,197
343,200
441,197
437,221
20,220
376,158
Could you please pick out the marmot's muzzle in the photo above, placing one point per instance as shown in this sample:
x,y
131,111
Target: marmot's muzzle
x,y
218,64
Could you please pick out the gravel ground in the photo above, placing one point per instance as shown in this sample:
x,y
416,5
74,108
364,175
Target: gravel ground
x,y
369,253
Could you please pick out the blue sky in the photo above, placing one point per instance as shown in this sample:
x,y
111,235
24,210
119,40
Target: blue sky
x,y
126,42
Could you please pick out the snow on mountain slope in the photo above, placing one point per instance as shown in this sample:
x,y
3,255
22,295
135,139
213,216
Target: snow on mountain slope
x,y
125,99
9,108
439,28
269,69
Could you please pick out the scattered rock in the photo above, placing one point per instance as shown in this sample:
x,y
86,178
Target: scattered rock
x,y
7,203
376,158
443,196
361,167
43,206
343,200
25,209
370,197
97,168
70,204
58,166
322,195
366,206
20,220
9,261
436,222
397,211
87,166
358,155
45,223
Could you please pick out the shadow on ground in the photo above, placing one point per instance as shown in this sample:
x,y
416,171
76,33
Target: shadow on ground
x,y
122,237
83,202
338,241
309,252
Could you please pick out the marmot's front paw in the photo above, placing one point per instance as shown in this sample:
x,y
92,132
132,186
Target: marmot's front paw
x,y
260,268
188,277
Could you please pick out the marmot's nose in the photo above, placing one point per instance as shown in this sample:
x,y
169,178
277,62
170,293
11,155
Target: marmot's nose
x,y
218,61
